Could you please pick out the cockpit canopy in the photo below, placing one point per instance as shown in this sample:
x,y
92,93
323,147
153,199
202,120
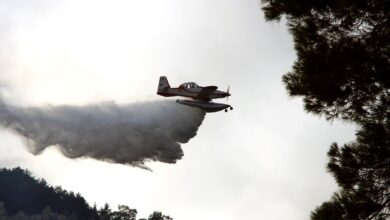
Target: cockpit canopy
x,y
189,85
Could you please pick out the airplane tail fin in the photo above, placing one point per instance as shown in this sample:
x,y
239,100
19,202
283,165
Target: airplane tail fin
x,y
163,84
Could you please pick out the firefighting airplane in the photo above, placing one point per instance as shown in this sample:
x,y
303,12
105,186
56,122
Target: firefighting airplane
x,y
202,96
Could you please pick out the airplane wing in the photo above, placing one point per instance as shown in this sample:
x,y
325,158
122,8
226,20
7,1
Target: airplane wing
x,y
205,93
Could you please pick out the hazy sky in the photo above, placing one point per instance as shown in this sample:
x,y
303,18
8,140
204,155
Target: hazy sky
x,y
264,160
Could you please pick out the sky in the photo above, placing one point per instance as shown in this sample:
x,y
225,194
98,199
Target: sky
x,y
266,159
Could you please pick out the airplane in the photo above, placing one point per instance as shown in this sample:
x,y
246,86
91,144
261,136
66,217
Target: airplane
x,y
202,96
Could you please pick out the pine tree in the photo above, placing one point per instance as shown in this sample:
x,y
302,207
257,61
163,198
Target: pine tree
x,y
343,72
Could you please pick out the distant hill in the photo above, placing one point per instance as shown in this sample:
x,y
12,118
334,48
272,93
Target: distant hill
x,y
19,191
24,197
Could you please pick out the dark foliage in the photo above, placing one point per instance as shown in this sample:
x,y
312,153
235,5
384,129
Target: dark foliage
x,y
24,197
343,71
123,213
20,191
362,169
159,216
343,49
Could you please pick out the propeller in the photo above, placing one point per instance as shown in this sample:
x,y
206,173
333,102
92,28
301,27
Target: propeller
x,y
227,97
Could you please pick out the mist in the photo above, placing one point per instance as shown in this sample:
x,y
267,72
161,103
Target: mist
x,y
129,134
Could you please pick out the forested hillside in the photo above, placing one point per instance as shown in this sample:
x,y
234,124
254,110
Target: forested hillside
x,y
24,197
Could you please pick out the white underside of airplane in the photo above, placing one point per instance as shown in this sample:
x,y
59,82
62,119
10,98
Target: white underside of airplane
x,y
206,106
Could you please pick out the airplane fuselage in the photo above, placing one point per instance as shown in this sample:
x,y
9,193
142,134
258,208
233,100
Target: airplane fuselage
x,y
192,93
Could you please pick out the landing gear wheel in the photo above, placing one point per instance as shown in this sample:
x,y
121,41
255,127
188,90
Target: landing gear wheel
x,y
226,110
231,108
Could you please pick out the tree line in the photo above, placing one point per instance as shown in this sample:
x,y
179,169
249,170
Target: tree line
x,y
24,197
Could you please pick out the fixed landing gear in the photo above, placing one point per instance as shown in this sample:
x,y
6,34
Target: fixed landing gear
x,y
230,108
